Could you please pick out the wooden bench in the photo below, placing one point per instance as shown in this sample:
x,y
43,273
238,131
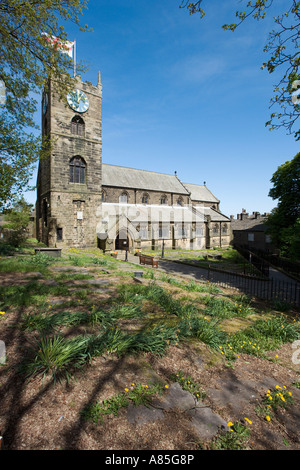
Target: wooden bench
x,y
146,259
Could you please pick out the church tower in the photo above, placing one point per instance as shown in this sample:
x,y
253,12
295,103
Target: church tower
x,y
69,177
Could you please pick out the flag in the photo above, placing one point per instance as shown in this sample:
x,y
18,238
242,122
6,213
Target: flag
x,y
66,47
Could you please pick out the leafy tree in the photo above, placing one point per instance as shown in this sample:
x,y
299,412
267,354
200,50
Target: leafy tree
x,y
28,60
284,221
283,49
18,218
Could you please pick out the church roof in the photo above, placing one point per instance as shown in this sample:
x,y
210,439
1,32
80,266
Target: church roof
x,y
214,215
200,193
123,177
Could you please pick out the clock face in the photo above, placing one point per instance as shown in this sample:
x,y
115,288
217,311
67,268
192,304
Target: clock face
x,y
78,101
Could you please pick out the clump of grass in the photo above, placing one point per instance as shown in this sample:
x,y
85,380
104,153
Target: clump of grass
x,y
279,328
222,308
278,397
265,335
39,262
99,261
188,384
137,394
47,323
204,330
95,412
56,356
232,439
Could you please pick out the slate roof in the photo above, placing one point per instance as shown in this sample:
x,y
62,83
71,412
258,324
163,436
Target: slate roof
x,y
200,193
123,177
215,215
249,224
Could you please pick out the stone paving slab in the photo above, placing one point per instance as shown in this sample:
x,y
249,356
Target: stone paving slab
x,y
205,422
176,398
202,419
142,414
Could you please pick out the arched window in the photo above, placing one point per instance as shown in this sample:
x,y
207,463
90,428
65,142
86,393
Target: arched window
x,y
77,170
180,201
163,199
103,196
145,198
77,126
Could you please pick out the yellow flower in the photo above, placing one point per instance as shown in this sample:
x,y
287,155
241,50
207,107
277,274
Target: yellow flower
x,y
277,386
166,386
229,424
268,418
248,420
2,313
126,389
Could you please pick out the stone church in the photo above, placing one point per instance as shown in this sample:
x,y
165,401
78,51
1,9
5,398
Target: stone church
x,y
82,202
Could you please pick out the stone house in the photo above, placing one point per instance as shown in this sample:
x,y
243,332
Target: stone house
x,y
249,231
83,202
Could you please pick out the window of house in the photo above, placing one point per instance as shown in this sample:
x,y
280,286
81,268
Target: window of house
x,y
268,239
77,126
250,237
224,229
180,201
77,170
163,199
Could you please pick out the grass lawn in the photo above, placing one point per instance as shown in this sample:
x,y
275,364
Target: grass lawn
x,y
85,341
225,259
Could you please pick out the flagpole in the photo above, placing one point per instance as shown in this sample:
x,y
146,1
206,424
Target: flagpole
x,y
74,58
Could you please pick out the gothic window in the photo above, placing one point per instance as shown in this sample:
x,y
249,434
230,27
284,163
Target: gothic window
x,y
103,196
224,229
123,198
163,199
77,170
180,201
145,198
215,228
77,126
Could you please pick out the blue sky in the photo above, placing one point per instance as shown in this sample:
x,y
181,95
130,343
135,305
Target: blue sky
x,y
180,94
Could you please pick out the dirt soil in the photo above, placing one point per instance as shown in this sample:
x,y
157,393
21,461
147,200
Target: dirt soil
x,y
42,415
